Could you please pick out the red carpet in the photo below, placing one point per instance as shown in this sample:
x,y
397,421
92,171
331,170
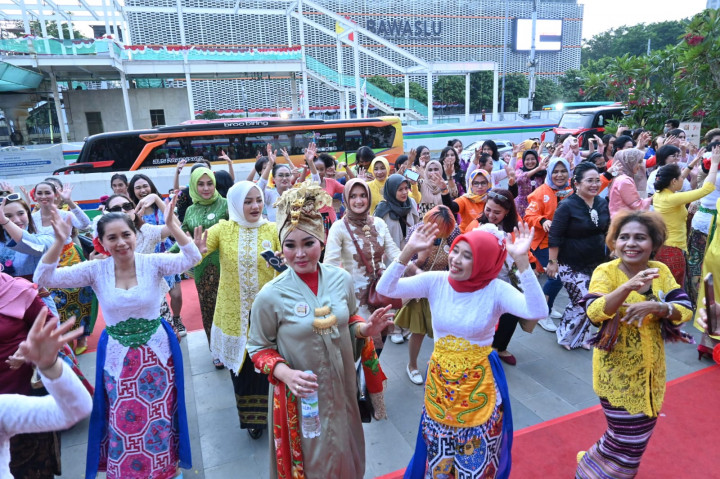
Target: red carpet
x,y
684,443
190,314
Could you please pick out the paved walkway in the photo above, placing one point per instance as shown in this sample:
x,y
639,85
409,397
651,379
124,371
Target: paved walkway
x,y
548,382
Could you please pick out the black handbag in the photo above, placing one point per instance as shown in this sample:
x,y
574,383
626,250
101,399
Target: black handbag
x,y
363,396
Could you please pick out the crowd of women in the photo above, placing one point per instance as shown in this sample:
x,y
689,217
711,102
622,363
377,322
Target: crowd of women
x,y
304,273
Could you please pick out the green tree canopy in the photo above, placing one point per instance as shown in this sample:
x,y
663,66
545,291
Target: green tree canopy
x,y
51,28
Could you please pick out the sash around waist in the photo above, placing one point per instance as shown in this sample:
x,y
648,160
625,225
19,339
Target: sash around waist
x,y
133,332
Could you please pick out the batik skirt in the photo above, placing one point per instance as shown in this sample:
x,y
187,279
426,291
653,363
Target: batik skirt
x,y
74,301
574,328
251,396
696,253
618,452
673,258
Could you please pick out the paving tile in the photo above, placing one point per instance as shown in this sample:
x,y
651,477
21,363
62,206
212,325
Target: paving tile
x,y
522,416
564,384
548,405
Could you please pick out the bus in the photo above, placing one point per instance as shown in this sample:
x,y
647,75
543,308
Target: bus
x,y
561,106
156,152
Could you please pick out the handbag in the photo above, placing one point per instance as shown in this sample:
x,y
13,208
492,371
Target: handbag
x,y
375,299
363,396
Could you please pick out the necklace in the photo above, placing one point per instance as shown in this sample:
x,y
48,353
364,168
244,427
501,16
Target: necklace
x,y
594,217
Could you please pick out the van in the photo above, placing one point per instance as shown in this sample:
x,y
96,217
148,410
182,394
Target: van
x,y
586,122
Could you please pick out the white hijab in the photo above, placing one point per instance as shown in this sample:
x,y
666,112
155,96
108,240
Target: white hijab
x,y
236,199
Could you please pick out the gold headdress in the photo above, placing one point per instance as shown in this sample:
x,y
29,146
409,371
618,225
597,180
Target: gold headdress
x,y
299,208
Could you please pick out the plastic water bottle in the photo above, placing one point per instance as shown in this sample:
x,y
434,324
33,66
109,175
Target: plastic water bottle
x,y
310,415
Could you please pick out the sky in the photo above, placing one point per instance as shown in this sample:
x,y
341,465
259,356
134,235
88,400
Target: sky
x,y
603,15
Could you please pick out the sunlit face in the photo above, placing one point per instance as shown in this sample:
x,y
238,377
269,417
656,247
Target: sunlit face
x,y
672,159
206,187
486,149
488,166
253,205
560,175
119,187
283,178
379,171
123,204
479,185
458,147
118,239
460,261
15,212
402,192
142,188
45,195
358,200
320,166
302,251
530,161
589,185
633,244
433,168
495,212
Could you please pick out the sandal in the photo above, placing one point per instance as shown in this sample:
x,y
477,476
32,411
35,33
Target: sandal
x,y
415,376
218,364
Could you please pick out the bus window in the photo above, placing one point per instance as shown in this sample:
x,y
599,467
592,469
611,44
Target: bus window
x,y
379,137
121,150
326,141
353,140
301,140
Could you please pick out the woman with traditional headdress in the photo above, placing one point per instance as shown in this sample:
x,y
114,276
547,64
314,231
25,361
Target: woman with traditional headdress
x,y
243,271
306,335
208,208
459,436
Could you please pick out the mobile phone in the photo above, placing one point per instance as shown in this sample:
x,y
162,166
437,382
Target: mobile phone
x,y
411,175
276,263
712,320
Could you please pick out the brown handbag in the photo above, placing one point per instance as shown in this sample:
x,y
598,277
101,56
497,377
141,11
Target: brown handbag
x,y
374,299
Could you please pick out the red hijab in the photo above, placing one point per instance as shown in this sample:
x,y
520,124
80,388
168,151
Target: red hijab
x,y
488,257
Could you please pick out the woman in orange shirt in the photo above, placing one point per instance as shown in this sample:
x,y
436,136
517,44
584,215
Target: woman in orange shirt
x,y
539,214
470,205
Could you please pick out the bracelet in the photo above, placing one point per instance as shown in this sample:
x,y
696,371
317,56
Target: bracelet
x,y
358,334
400,262
689,167
552,261
670,308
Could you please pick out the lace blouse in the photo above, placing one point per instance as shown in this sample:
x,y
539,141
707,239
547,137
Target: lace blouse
x,y
141,301
77,216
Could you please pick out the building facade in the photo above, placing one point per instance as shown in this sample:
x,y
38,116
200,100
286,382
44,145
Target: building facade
x,y
434,30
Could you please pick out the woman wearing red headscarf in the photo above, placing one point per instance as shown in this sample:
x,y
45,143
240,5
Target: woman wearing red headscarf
x,y
466,425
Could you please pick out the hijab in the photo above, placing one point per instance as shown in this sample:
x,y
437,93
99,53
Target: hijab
x,y
398,211
16,295
434,189
628,160
526,145
489,254
540,173
195,194
470,195
236,199
380,159
551,167
356,219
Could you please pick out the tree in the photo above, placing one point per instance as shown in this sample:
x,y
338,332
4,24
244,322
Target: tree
x,y
633,40
50,27
450,89
547,92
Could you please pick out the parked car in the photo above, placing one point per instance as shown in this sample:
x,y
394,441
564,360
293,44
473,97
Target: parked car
x,y
469,150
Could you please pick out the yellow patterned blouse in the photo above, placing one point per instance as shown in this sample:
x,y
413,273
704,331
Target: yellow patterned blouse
x,y
632,375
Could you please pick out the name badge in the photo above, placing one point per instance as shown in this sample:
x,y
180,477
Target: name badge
x,y
302,309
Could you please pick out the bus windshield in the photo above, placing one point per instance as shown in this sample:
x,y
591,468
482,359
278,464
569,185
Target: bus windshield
x,y
574,121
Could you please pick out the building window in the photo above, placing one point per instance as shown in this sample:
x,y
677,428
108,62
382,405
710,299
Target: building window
x,y
157,117
94,122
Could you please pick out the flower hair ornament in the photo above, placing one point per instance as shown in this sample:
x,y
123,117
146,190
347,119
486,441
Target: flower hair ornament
x,y
493,230
299,208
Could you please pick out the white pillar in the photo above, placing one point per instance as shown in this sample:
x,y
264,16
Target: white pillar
x,y
467,98
26,19
341,74
117,14
347,104
181,21
294,96
126,101
58,24
495,91
407,93
306,100
191,98
70,29
430,97
58,108
356,60
341,101
105,17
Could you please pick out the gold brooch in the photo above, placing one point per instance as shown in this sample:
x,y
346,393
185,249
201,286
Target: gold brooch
x,y
324,321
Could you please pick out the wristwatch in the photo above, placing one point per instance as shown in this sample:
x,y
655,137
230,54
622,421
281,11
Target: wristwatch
x,y
552,261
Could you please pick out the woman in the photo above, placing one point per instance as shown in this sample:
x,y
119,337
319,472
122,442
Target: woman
x,y
577,247
21,247
543,203
135,343
624,193
466,304
312,304
711,264
637,303
372,236
670,155
150,207
529,177
208,209
430,187
671,203
243,271
282,177
68,402
422,156
470,205
397,209
415,314
331,186
71,301
119,184
380,171
448,156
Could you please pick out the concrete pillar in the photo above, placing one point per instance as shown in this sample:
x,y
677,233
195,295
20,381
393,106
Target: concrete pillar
x,y
358,95
430,97
305,99
467,98
126,101
58,108
407,93
105,17
25,18
495,91
294,96
341,102
191,99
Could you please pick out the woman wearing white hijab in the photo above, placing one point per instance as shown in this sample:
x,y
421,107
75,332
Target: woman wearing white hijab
x,y
243,272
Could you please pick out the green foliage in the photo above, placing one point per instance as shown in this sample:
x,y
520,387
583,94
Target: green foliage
x,y
633,40
51,28
208,115
546,92
397,90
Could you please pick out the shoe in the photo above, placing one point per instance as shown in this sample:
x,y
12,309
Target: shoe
x,y
255,433
508,358
568,348
414,375
586,346
397,338
548,325
218,364
179,327
79,350
704,351
555,315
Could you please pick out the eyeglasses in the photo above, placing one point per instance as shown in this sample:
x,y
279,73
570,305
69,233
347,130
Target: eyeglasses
x,y
592,181
494,195
12,197
123,207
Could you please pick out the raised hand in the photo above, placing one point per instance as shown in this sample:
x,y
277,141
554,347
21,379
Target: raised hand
x,y
310,152
715,158
5,186
411,156
285,154
422,238
437,180
223,156
641,280
519,247
45,339
66,192
379,320
171,221
62,228
272,155
200,239
449,167
179,166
